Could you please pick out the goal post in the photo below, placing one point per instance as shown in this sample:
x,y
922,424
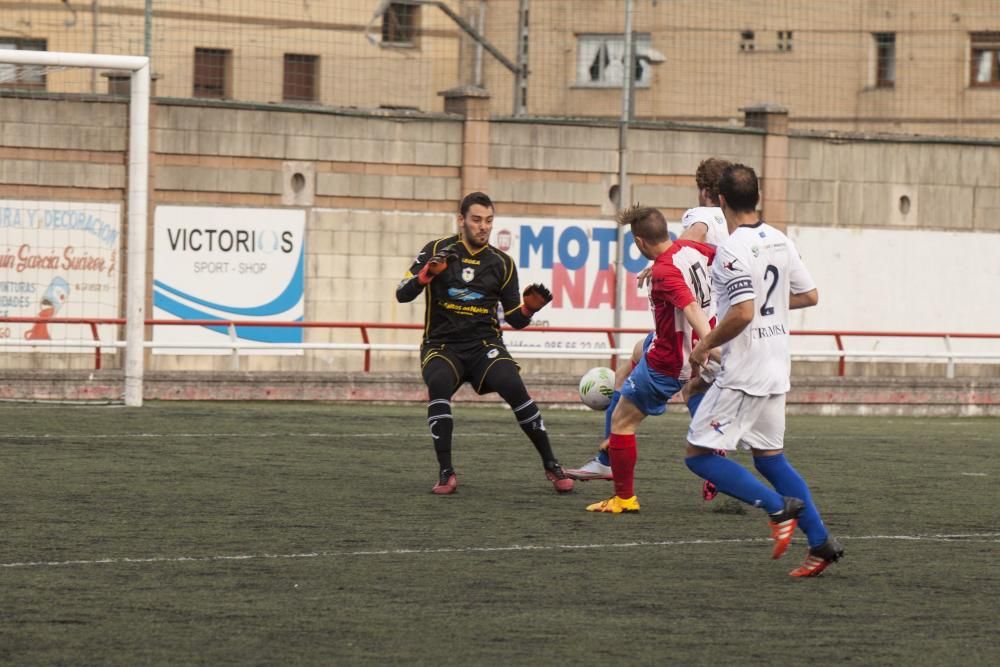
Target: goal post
x,y
137,195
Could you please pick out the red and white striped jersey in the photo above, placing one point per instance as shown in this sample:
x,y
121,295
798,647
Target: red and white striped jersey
x,y
680,276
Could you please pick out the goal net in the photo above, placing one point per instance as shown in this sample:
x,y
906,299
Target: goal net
x,y
73,209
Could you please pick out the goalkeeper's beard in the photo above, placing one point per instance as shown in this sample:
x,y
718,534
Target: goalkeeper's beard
x,y
470,239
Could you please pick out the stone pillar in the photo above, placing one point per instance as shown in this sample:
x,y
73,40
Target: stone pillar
x,y
474,104
773,119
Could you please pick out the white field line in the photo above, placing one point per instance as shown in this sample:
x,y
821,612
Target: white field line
x,y
594,435
976,537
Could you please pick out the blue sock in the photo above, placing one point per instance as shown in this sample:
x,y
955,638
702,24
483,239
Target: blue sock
x,y
694,402
788,482
615,397
603,455
734,480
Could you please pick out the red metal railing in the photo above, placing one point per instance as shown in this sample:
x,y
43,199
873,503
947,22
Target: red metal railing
x,y
365,327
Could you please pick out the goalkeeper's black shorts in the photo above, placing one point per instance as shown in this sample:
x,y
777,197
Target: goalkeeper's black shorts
x,y
470,361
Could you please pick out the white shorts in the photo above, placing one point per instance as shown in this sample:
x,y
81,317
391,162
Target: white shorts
x,y
729,418
710,370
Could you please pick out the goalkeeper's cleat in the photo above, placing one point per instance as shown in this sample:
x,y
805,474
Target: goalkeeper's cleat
x,y
592,469
447,483
555,474
819,558
615,505
708,490
783,525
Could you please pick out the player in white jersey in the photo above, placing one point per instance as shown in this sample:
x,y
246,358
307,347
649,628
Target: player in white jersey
x,y
705,224
757,277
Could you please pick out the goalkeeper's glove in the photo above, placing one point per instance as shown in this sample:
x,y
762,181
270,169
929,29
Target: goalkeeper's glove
x,y
438,262
536,297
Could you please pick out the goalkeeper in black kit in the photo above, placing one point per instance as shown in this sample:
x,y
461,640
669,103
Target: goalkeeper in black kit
x,y
467,281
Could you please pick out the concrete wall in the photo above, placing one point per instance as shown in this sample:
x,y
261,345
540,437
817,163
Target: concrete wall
x,y
861,184
380,185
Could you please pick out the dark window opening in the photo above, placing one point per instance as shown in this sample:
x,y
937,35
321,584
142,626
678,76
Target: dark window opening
x,y
785,40
300,80
885,59
985,59
212,73
400,23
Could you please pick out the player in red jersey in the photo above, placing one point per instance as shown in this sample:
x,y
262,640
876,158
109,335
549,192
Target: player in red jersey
x,y
705,224
678,294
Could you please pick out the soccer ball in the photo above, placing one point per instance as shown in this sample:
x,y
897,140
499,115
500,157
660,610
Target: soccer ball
x,y
596,387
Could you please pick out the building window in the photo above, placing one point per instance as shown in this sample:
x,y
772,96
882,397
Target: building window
x,y
747,41
785,40
212,73
400,23
885,59
119,83
985,59
22,76
600,60
300,81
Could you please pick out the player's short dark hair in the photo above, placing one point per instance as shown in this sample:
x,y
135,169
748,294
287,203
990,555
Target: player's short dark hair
x,y
740,188
647,223
708,174
480,198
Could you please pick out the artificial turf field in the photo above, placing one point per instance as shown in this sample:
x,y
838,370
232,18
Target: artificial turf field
x,y
264,533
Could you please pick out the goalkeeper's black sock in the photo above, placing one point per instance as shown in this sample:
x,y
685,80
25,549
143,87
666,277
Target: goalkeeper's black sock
x,y
530,418
441,425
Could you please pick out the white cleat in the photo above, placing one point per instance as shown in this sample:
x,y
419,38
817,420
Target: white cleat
x,y
593,469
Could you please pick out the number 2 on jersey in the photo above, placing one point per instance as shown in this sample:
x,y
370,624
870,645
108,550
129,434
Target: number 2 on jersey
x,y
772,271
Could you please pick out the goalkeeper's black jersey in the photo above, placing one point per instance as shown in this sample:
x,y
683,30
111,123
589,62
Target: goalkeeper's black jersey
x,y
463,302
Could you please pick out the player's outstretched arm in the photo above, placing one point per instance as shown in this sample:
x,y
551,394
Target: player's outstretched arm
x,y
536,296
423,272
696,232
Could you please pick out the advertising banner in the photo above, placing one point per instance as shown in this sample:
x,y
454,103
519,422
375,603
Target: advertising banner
x,y
575,259
59,259
216,263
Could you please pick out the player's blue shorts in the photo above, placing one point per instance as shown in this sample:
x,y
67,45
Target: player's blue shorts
x,y
648,390
649,341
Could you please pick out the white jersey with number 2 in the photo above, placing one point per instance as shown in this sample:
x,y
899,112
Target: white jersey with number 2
x,y
758,262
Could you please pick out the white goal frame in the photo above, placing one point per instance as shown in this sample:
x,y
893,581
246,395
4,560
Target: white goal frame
x,y
137,192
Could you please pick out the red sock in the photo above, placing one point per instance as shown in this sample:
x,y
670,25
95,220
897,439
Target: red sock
x,y
622,451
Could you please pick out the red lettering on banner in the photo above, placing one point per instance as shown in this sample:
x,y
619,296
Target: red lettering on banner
x,y
572,284
634,300
604,290
25,260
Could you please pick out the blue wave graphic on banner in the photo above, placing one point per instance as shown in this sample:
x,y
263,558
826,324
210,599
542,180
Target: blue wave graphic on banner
x,y
285,301
257,334
281,303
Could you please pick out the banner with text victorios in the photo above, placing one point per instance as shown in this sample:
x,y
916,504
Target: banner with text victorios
x,y
575,259
216,263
